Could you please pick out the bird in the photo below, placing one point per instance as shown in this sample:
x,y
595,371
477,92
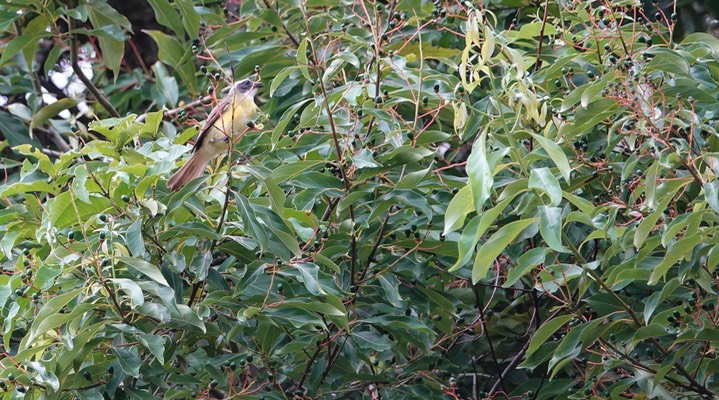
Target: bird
x,y
225,124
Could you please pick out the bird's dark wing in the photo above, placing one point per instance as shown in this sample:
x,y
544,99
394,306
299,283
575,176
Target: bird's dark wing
x,y
214,115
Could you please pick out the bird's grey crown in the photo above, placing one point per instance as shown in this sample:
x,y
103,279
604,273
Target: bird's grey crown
x,y
244,85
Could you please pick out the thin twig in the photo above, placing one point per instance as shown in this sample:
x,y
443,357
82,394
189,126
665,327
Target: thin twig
x,y
482,320
380,236
517,358
85,80
308,367
284,27
55,137
699,388
541,36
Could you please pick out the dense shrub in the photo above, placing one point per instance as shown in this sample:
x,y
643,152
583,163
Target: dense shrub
x,y
437,199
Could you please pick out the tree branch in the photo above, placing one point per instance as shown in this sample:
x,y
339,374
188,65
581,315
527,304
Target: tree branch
x,y
85,80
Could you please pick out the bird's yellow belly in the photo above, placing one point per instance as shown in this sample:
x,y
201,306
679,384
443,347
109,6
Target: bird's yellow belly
x,y
234,121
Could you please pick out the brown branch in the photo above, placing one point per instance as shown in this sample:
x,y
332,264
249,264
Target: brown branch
x,y
85,80
541,36
380,236
55,137
517,358
482,321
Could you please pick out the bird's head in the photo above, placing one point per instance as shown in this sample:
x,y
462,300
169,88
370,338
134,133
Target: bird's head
x,y
248,86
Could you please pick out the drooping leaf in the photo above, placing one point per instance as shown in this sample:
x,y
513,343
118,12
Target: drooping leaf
x,y
145,268
543,179
550,226
545,331
494,246
481,177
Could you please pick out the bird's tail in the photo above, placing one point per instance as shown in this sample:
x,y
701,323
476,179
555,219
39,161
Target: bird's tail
x,y
193,168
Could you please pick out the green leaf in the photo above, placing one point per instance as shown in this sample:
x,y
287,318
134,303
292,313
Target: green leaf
x,y
132,289
18,44
5,292
277,196
44,377
302,59
573,97
46,317
79,184
364,159
190,18
534,29
582,204
543,179
481,177
570,346
372,341
64,211
589,118
605,303
155,344
165,91
711,194
145,268
675,252
550,227
281,77
35,29
390,286
170,50
186,318
7,243
249,221
332,70
167,15
22,187
308,276
494,246
127,359
467,242
49,111
414,178
289,171
195,228
658,297
457,210
648,223
53,56
14,130
315,306
7,17
101,14
668,60
592,93
152,124
651,184
525,263
285,120
556,154
403,155
401,322
653,330
134,240
475,229
545,332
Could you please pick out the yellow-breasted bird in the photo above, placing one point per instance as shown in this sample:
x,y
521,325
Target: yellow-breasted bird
x,y
223,127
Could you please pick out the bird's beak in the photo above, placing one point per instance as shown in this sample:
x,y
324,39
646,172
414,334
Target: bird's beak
x,y
258,84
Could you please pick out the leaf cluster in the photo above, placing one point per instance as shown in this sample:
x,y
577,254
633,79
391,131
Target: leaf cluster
x,y
437,200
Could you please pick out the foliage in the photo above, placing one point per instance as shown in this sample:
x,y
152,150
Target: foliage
x,y
353,249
